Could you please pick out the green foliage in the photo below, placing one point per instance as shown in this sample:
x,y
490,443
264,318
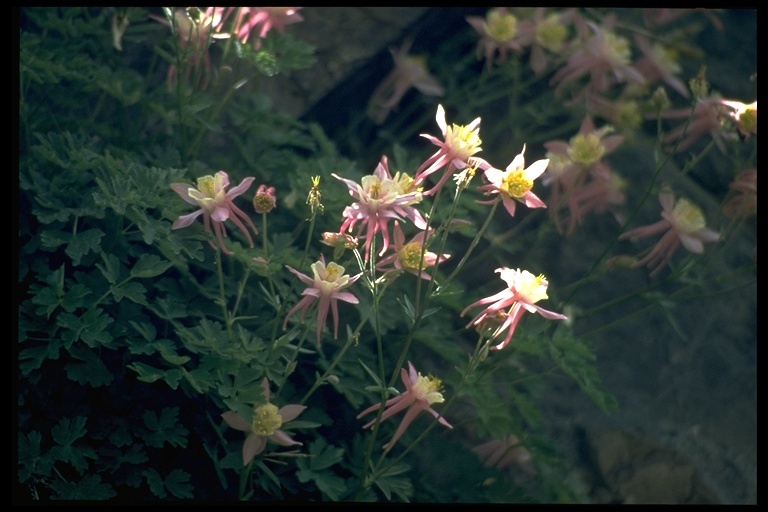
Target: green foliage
x,y
321,457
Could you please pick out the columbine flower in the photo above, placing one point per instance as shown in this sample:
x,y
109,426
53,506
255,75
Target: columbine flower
x,y
421,392
659,63
545,34
325,286
261,20
409,71
683,222
604,56
264,200
458,145
501,453
744,202
515,183
339,242
709,116
380,198
408,256
523,291
745,116
498,31
266,423
216,206
193,29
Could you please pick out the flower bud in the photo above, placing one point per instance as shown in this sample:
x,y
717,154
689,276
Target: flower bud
x,y
264,200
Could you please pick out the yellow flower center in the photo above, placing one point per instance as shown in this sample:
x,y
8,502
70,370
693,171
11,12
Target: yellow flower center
x,y
333,272
410,256
748,120
628,115
266,420
463,140
501,26
616,49
263,203
585,150
687,217
428,388
531,288
207,185
550,34
516,184
373,186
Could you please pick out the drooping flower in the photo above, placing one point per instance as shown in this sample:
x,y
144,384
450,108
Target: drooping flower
x,y
744,201
709,116
498,35
421,392
682,223
216,206
193,29
380,198
409,71
326,287
340,242
659,62
499,454
604,56
264,200
573,165
260,21
458,145
515,183
508,306
408,256
266,423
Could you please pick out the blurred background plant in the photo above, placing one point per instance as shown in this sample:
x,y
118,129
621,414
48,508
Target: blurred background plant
x,y
145,350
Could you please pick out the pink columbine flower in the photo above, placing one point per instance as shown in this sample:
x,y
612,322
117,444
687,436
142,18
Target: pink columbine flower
x,y
261,20
339,241
421,392
409,71
264,200
545,34
408,256
659,63
523,291
499,454
380,198
744,202
709,116
458,145
498,34
266,423
572,164
216,206
744,115
194,36
683,222
604,56
325,286
514,184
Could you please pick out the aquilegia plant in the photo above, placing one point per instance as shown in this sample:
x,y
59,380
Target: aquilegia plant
x,y
218,303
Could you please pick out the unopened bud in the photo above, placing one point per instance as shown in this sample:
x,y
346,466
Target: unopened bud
x,y
264,200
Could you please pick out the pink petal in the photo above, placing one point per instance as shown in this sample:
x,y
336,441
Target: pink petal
x,y
236,422
253,445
